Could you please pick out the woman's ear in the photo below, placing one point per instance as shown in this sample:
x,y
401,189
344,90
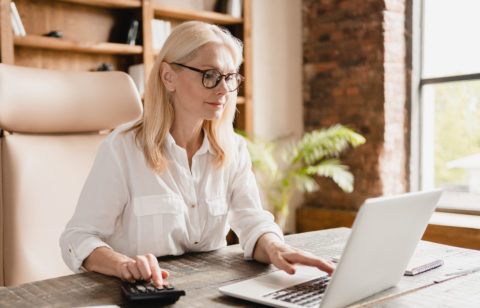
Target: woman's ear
x,y
168,76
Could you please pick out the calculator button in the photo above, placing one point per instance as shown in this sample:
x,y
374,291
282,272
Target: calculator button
x,y
151,288
133,289
142,291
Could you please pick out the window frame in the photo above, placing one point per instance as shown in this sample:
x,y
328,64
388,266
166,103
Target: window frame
x,y
417,108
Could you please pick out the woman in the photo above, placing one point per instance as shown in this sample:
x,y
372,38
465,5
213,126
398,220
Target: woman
x,y
176,180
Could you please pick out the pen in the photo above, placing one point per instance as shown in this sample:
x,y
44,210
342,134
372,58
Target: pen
x,y
466,271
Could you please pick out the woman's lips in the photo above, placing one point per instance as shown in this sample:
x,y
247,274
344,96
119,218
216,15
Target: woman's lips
x,y
216,104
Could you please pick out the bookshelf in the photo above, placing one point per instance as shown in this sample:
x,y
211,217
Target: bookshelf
x,y
109,3
188,14
42,42
92,35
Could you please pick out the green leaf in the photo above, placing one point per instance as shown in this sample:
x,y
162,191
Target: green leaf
x,y
306,183
337,172
281,166
328,142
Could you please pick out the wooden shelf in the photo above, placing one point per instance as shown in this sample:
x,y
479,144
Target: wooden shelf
x,y
43,42
191,14
108,3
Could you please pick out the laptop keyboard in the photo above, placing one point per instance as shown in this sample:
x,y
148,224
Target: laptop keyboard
x,y
308,294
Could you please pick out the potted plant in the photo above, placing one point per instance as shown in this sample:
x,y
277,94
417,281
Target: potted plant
x,y
285,165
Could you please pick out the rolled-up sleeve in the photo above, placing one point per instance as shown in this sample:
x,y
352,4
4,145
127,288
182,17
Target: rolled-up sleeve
x,y
101,202
246,216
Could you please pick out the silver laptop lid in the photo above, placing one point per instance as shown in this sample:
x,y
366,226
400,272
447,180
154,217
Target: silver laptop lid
x,y
381,243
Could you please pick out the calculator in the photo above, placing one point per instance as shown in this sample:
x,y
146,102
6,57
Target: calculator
x,y
144,291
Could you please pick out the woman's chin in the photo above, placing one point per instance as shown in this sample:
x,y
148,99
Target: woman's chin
x,y
214,116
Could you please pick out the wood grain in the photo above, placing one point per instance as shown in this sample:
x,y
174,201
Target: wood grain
x,y
248,67
200,275
452,235
108,3
73,61
42,42
191,14
313,218
6,36
148,55
78,23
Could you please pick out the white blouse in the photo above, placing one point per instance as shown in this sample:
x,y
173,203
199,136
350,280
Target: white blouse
x,y
129,208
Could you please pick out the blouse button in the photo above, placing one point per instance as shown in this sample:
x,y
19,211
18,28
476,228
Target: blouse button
x,y
193,205
196,243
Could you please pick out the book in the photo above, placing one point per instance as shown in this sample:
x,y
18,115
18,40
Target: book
x,y
160,31
17,24
15,28
156,29
132,32
234,8
419,265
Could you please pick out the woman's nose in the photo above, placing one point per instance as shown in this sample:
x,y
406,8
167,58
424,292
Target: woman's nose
x,y
222,86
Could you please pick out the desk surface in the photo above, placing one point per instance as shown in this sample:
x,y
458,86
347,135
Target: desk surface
x,y
200,275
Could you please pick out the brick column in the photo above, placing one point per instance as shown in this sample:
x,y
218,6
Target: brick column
x,y
355,74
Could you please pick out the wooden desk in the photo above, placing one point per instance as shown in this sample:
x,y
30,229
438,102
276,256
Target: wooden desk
x,y
200,275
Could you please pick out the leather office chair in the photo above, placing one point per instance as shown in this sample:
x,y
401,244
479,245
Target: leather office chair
x,y
51,124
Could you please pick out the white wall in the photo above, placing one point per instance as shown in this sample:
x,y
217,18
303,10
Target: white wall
x,y
277,72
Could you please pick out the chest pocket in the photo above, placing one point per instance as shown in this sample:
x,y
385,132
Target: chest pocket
x,y
217,206
153,205
160,223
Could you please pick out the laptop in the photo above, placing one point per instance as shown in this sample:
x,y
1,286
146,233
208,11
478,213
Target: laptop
x,y
383,238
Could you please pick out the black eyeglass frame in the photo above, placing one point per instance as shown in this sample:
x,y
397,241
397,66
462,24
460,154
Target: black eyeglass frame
x,y
212,69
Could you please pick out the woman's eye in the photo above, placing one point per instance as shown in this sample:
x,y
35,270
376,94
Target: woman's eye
x,y
211,75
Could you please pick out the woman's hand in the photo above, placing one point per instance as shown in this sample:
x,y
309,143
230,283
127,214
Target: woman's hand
x,y
143,267
285,257
270,249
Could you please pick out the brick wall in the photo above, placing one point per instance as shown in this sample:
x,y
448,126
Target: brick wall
x,y
355,74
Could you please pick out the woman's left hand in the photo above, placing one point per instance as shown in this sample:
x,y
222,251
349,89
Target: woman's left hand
x,y
270,249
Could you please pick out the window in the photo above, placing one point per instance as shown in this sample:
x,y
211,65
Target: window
x,y
449,109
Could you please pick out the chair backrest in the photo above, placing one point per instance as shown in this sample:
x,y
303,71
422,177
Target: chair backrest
x,y
51,124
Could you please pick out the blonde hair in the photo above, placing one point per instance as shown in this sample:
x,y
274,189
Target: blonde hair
x,y
152,129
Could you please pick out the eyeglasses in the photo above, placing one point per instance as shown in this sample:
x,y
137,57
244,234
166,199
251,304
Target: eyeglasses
x,y
212,77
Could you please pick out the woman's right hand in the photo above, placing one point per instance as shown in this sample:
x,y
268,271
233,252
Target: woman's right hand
x,y
142,267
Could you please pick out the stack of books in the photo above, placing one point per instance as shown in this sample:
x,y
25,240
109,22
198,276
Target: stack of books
x,y
160,31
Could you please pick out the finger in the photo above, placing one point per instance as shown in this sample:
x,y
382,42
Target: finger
x,y
143,267
329,263
281,263
157,278
310,260
132,267
125,273
165,274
